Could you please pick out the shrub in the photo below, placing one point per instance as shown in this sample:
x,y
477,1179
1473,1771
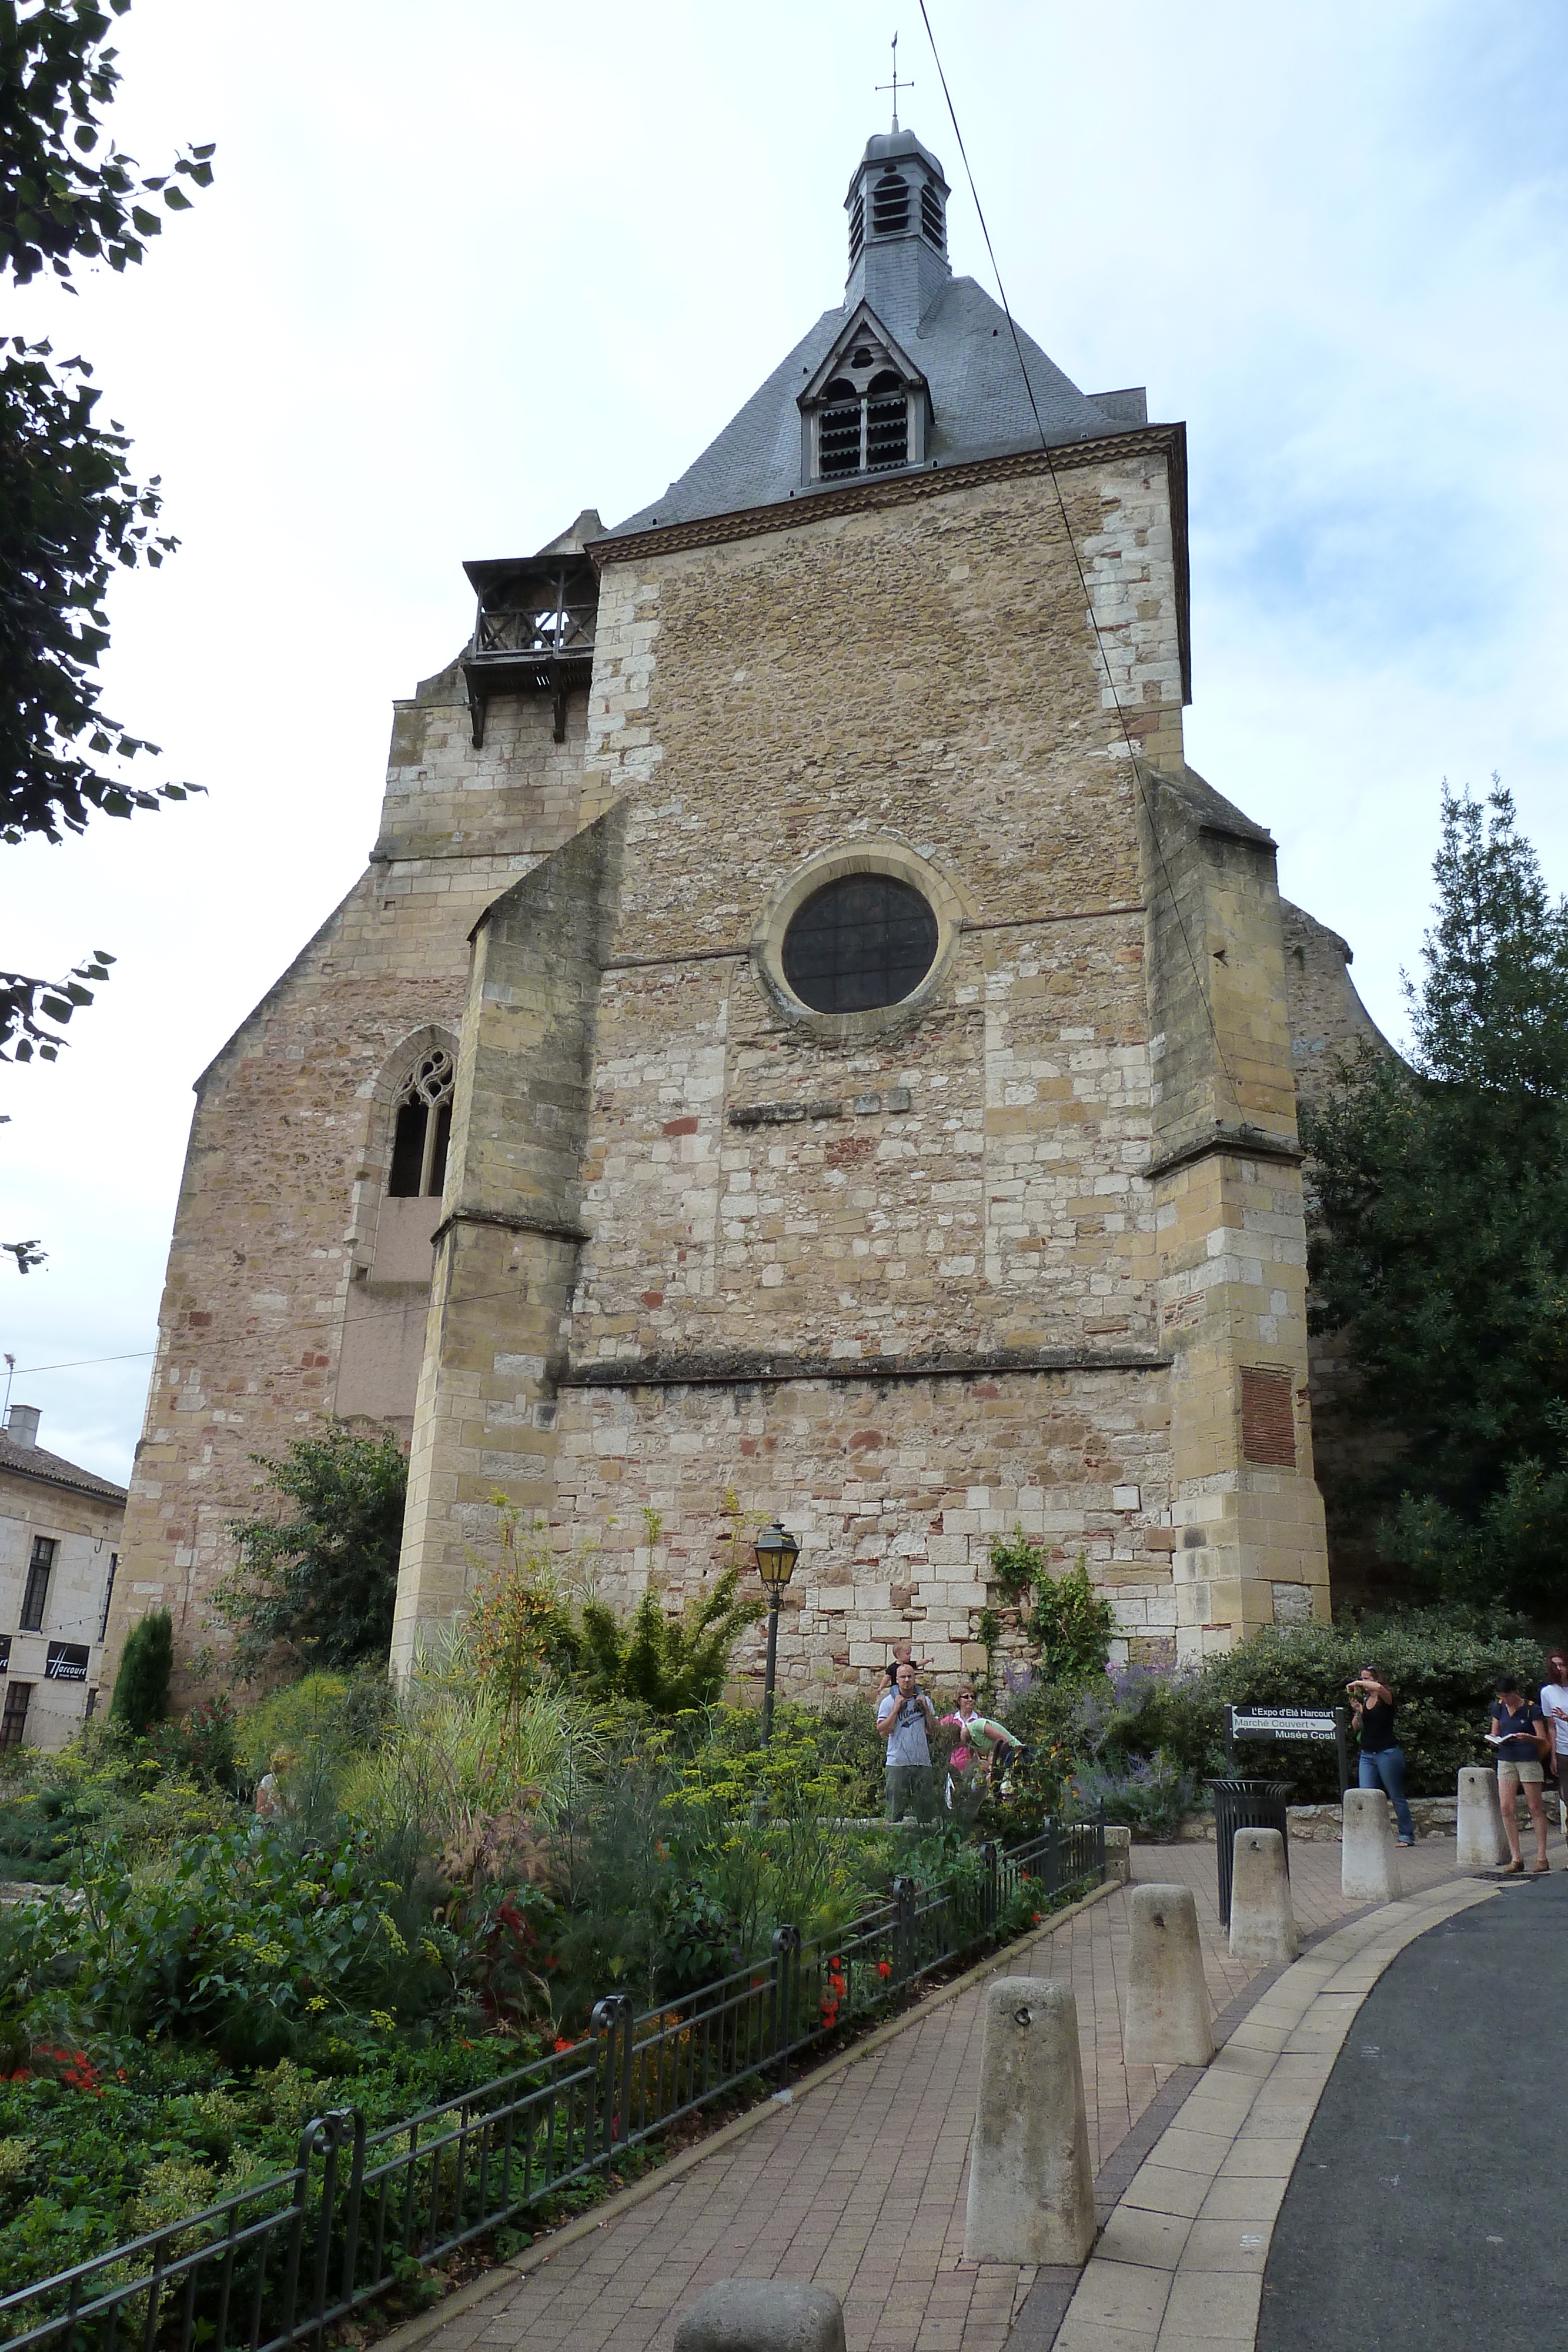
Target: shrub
x,y
1066,1621
141,1687
319,1585
1441,1665
1149,1795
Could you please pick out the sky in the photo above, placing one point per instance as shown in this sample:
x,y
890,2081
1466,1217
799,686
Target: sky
x,y
465,270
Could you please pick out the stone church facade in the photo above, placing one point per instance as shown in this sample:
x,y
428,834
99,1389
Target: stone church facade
x,y
805,1045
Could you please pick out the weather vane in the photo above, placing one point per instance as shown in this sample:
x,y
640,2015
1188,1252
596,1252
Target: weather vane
x,y
895,84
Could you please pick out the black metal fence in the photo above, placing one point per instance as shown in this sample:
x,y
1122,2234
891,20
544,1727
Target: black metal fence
x,y
284,2258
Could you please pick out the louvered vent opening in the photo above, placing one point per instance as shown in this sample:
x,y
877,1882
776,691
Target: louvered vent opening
x,y
931,216
857,229
890,206
886,423
839,430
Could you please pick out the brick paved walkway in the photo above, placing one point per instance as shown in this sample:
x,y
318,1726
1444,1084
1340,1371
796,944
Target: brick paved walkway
x,y
861,2183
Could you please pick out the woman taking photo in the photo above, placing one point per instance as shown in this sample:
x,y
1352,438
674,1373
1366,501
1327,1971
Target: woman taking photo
x,y
1382,1758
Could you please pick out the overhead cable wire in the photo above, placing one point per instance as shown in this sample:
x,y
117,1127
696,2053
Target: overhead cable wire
x,y
1132,750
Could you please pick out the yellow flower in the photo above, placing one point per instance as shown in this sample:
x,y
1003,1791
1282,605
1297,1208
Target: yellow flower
x,y
383,2020
393,1938
319,2001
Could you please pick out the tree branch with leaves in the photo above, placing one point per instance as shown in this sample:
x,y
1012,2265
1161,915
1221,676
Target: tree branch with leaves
x,y
70,512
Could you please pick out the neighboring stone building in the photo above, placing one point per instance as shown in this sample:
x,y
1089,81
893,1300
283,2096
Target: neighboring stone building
x,y
61,1531
840,1053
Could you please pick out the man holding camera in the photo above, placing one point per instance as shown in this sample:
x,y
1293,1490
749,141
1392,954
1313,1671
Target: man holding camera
x,y
904,1718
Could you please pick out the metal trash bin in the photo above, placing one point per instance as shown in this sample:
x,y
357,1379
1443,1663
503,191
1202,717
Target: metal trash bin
x,y
1246,1805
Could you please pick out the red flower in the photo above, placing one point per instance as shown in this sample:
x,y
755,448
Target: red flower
x,y
885,1967
563,2044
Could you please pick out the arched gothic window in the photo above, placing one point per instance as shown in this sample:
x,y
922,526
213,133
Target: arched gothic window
x,y
422,1129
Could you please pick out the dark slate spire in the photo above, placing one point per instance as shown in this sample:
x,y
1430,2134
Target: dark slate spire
x,y
897,208
953,342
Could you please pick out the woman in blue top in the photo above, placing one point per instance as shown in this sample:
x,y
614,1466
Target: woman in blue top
x,y
1382,1764
1519,1735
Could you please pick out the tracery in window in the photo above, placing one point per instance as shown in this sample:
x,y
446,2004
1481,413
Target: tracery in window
x,y
859,942
422,1129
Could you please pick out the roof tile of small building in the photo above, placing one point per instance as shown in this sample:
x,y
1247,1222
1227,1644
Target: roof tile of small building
x,y
54,1470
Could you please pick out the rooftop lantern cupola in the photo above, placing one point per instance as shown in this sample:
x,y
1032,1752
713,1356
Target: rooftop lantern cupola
x,y
897,208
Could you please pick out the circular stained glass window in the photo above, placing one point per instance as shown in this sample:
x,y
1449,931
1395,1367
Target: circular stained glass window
x,y
860,942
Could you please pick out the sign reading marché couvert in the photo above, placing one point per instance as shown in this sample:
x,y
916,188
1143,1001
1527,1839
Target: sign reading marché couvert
x,y
1286,1722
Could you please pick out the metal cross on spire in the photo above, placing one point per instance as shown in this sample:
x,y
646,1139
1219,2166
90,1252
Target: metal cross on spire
x,y
895,84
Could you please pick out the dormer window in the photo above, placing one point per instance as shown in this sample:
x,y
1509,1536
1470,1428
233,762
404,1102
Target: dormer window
x,y
864,433
864,412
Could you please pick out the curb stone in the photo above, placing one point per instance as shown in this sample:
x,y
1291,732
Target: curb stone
x,y
1160,2279
425,2324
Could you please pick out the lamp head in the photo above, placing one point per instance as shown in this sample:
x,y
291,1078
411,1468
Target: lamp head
x,y
777,1552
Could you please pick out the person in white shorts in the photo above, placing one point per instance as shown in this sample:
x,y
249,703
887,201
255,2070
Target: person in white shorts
x,y
1554,1708
1519,1735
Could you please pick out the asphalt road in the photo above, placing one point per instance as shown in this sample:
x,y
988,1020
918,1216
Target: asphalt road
x,y
1426,2208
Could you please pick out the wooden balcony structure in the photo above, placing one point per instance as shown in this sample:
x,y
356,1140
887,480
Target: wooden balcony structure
x,y
533,632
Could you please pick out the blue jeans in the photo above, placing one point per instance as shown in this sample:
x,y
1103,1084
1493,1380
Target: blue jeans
x,y
1385,1768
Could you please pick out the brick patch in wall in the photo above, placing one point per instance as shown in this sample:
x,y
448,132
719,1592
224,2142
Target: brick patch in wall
x,y
1268,1416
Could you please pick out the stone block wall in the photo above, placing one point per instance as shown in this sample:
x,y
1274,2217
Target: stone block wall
x,y
1328,1020
87,1531
506,1246
275,1242
897,1489
914,1279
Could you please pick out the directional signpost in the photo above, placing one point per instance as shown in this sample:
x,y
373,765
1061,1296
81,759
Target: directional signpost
x,y
1293,1723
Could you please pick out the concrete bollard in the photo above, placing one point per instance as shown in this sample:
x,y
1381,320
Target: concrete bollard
x,y
1369,1860
1118,1857
1031,2191
1479,1841
763,2316
1167,1999
1263,1922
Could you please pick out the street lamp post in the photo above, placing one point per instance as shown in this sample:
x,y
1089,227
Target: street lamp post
x,y
777,1552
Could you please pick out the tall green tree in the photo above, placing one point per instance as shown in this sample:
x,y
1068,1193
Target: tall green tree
x,y
141,1695
1438,1229
71,511
315,1585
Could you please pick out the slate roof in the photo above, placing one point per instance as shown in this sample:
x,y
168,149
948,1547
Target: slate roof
x,y
32,1462
965,350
